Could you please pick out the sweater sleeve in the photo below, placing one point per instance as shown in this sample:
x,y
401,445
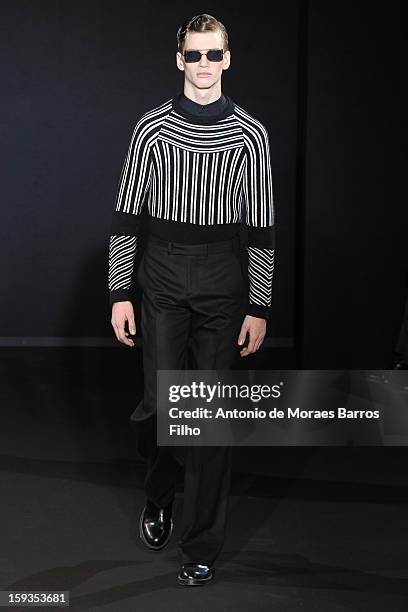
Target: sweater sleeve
x,y
259,218
133,185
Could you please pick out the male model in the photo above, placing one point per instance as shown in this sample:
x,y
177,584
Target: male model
x,y
202,165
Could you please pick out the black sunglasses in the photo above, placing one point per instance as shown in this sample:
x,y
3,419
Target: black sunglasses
x,y
213,55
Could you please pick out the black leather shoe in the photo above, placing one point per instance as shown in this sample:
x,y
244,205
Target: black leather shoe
x,y
156,525
194,574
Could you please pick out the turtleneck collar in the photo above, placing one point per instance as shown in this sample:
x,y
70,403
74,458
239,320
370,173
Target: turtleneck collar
x,y
203,113
209,110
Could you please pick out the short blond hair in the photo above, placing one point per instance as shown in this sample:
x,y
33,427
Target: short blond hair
x,y
201,23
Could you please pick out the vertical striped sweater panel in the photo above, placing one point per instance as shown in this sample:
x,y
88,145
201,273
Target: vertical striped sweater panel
x,y
187,172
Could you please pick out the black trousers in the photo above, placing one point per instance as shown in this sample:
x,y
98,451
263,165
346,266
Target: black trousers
x,y
197,294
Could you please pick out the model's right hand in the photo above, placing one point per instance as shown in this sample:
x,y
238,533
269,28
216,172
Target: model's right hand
x,y
122,312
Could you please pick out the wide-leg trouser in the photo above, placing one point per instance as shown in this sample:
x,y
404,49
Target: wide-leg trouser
x,y
191,293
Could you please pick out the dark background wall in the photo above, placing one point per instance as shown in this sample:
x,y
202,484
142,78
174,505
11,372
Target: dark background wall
x,y
355,209
326,80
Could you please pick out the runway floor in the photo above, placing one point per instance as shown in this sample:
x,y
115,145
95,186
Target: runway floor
x,y
321,529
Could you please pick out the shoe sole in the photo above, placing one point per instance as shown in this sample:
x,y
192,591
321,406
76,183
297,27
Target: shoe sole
x,y
145,542
194,581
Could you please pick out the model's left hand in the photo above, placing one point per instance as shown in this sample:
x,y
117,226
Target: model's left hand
x,y
256,328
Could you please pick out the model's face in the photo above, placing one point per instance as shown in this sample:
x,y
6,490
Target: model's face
x,y
203,74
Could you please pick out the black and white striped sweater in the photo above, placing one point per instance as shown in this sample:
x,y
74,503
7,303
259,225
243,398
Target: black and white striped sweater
x,y
201,176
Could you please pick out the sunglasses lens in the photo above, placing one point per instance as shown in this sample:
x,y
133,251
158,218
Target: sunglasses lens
x,y
192,56
215,55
